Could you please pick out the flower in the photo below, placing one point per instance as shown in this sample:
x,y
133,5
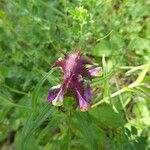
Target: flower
x,y
74,73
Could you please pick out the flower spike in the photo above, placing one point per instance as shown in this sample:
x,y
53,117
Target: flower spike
x,y
74,74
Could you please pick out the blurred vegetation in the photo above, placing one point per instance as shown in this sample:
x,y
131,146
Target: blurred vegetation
x,y
115,34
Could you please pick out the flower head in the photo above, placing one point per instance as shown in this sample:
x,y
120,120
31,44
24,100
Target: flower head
x,y
74,74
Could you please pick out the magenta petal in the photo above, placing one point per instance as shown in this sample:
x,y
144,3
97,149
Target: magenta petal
x,y
51,95
96,71
87,92
60,63
58,101
82,102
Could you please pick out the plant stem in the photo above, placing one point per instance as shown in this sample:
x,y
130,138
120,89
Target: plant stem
x,y
128,88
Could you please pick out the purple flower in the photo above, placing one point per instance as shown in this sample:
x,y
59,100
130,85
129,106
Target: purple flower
x,y
74,72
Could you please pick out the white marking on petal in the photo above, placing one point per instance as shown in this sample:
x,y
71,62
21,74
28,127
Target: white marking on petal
x,y
55,87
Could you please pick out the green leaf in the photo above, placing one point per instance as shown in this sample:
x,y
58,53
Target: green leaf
x,y
37,89
107,117
141,76
33,122
102,48
87,130
140,44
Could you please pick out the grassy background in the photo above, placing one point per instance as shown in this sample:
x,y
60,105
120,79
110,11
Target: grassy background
x,y
115,34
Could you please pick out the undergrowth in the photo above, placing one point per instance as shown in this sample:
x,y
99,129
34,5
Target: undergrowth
x,y
113,33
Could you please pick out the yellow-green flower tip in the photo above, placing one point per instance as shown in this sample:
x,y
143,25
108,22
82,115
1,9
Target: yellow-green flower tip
x,y
59,103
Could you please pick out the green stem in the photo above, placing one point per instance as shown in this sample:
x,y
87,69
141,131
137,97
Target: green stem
x,y
128,88
111,96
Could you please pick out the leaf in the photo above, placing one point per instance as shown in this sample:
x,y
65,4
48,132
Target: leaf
x,y
105,74
33,144
107,117
102,48
133,130
33,122
140,44
5,100
140,77
37,89
92,135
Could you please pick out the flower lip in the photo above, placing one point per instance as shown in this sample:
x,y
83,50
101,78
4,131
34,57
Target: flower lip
x,y
51,95
58,101
95,71
84,105
83,109
87,92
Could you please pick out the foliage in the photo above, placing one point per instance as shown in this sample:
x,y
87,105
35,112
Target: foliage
x,y
115,34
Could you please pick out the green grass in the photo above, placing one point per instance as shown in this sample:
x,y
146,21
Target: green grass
x,y
115,34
